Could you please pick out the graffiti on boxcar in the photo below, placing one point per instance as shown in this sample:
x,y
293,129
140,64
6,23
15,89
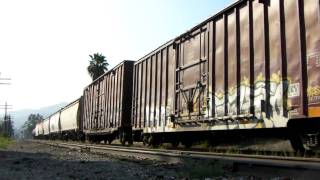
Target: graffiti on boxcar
x,y
314,94
163,115
314,60
244,96
313,90
276,92
259,92
276,96
219,103
232,101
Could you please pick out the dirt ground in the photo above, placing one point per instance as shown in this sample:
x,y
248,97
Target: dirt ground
x,y
28,160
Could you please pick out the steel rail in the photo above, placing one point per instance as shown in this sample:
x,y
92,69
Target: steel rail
x,y
180,155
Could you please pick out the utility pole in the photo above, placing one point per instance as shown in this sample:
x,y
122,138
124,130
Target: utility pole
x,y
6,106
7,119
4,79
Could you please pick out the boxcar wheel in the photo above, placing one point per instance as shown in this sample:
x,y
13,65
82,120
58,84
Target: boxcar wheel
x,y
187,144
145,140
153,141
175,143
82,139
150,140
130,142
296,142
122,138
122,141
109,140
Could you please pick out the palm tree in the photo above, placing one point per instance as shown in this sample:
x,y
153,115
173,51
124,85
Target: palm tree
x,y
98,65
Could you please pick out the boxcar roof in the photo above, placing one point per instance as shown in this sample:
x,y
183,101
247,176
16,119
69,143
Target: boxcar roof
x,y
109,71
217,15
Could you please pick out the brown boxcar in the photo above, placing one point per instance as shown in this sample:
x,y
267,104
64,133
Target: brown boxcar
x,y
254,65
153,96
107,105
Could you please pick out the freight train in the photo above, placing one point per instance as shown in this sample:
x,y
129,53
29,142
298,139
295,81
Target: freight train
x,y
252,69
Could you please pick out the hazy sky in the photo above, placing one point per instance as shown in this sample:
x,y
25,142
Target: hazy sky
x,y
44,44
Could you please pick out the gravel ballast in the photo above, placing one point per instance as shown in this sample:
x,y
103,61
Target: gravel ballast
x,y
30,160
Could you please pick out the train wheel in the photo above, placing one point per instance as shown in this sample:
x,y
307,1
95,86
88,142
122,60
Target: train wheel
x,y
150,140
97,140
213,140
82,139
154,141
187,144
296,142
130,142
122,138
175,143
109,141
122,141
145,140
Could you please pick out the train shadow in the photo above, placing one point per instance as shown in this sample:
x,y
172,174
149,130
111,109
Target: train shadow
x,y
30,165
79,165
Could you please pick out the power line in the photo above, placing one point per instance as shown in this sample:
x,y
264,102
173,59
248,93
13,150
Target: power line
x,y
6,107
4,79
7,122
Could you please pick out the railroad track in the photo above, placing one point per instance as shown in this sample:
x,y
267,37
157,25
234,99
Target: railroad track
x,y
172,156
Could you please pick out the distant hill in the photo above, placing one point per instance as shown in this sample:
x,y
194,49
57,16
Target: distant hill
x,y
19,117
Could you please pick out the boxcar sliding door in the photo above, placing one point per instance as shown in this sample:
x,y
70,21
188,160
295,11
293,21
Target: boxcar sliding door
x,y
191,75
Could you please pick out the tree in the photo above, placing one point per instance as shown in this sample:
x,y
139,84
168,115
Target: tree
x,y
1,128
6,127
30,124
98,65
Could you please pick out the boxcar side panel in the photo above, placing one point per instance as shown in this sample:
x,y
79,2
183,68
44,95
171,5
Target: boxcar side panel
x,y
158,89
36,129
136,97
259,57
69,117
139,96
244,61
152,89
153,93
293,58
232,64
127,94
164,88
171,63
277,61
41,128
312,22
46,127
116,103
107,103
219,69
103,100
144,105
55,123
147,83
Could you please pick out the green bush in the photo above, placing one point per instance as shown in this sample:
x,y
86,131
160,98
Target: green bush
x,y
206,169
4,142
